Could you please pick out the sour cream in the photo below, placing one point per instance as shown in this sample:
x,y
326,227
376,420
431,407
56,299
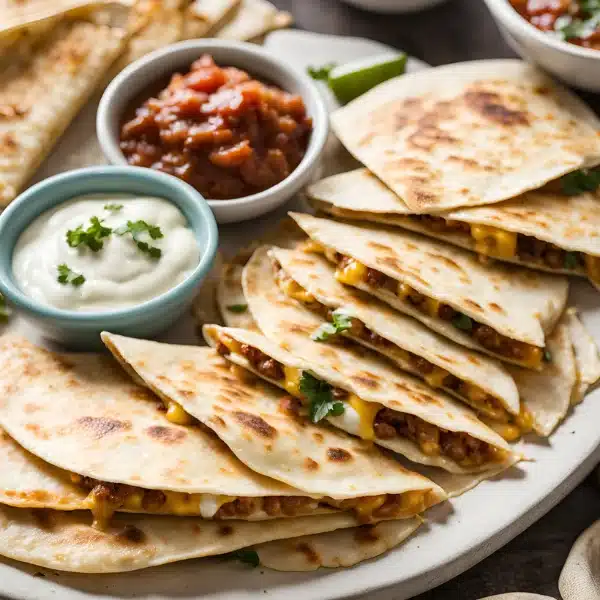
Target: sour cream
x,y
119,275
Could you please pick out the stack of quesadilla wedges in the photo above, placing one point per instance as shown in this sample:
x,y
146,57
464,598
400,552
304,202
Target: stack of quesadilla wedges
x,y
80,435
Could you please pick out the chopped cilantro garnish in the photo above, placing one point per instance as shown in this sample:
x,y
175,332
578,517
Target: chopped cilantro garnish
x,y
321,73
321,399
237,308
113,207
66,276
91,237
249,557
547,356
571,260
581,181
4,312
461,321
340,322
568,27
136,228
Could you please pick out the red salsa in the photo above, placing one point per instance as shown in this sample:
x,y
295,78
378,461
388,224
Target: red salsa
x,y
575,21
220,130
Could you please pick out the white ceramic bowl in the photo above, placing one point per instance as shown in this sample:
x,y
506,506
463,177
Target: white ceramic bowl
x,y
394,6
573,64
155,66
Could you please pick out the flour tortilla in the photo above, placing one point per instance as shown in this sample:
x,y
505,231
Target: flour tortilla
x,y
316,275
469,133
64,541
202,17
319,461
569,222
518,303
342,548
81,413
41,97
252,20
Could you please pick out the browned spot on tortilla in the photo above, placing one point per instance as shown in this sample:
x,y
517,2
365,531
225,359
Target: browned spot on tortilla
x,y
130,534
312,556
389,261
303,261
427,135
218,421
496,307
378,246
256,424
187,393
296,328
366,379
36,430
311,465
31,371
474,360
472,304
338,455
492,107
366,534
166,435
318,437
30,407
448,261
225,530
98,427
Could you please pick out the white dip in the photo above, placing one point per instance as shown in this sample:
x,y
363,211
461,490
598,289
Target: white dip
x,y
119,275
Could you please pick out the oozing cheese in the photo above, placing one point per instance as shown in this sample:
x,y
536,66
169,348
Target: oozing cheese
x,y
352,272
292,380
494,241
368,506
367,411
436,378
176,414
290,288
312,247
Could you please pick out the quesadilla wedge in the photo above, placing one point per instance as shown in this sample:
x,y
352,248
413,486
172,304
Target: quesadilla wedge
x,y
64,541
542,229
469,133
347,473
481,382
82,414
501,310
252,20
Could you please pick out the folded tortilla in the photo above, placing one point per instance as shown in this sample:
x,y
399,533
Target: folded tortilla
x,y
83,415
501,310
64,541
40,97
252,20
469,133
481,382
543,229
248,417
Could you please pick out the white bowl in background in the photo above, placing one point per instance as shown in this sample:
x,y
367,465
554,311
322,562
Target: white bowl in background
x,y
573,64
393,6
138,76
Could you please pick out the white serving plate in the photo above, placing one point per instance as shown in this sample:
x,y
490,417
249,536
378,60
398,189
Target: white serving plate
x,y
456,536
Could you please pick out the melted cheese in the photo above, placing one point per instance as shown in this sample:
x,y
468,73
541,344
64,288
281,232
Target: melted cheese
x,y
494,241
231,344
592,267
366,412
533,357
509,431
436,378
352,272
177,415
312,247
367,506
432,306
292,381
290,288
524,420
404,290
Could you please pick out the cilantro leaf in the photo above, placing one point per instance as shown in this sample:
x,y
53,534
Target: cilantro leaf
x,y
547,356
581,181
568,27
340,322
249,557
237,308
4,312
461,321
136,228
571,260
66,276
91,237
321,399
113,207
321,73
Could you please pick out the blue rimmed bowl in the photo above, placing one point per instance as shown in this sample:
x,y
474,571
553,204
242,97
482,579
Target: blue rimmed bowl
x,y
79,329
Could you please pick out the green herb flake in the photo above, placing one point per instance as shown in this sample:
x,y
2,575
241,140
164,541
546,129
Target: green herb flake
x,y
340,322
136,229
249,557
571,260
461,321
321,73
92,237
67,276
113,208
547,356
319,393
4,311
237,308
581,181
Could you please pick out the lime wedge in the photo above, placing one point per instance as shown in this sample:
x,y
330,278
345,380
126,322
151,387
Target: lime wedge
x,y
350,80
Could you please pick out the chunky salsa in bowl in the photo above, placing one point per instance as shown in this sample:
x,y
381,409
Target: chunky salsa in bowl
x,y
573,21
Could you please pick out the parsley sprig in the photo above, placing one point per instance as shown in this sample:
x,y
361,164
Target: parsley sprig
x,y
136,229
92,237
319,393
581,181
67,276
340,322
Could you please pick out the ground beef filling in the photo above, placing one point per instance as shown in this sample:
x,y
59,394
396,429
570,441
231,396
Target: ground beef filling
x,y
462,448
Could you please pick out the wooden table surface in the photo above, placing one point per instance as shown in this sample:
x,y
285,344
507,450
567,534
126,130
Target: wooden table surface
x,y
456,31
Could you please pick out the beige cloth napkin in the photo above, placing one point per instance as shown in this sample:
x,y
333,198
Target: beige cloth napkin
x,y
580,577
